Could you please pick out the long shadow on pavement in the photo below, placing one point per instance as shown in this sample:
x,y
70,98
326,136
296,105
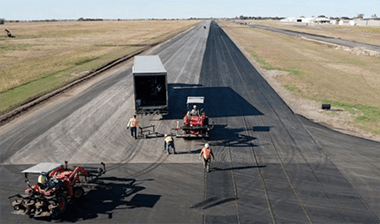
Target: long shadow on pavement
x,y
219,101
110,195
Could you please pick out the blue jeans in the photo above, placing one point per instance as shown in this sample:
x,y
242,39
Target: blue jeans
x,y
168,146
134,132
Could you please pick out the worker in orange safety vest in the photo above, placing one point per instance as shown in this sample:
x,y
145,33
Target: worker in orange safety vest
x,y
206,154
133,124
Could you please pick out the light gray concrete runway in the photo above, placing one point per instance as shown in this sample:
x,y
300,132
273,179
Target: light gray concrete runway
x,y
271,165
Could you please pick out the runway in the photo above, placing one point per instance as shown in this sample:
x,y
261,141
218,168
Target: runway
x,y
271,165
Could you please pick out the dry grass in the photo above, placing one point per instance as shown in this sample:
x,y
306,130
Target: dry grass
x,y
369,35
54,52
318,72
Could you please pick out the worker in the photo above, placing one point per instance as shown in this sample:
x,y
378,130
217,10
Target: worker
x,y
41,182
194,111
169,143
133,124
206,154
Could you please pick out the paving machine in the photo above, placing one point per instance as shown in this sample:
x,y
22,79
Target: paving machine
x,y
195,122
57,186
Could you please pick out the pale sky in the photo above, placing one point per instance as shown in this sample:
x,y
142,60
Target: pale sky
x,y
169,9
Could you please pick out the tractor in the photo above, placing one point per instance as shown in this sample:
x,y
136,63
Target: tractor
x,y
195,121
57,186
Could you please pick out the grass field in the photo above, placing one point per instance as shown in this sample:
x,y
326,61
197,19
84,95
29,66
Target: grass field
x,y
317,72
47,55
370,35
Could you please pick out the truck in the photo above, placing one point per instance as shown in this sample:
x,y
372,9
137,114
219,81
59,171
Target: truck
x,y
150,86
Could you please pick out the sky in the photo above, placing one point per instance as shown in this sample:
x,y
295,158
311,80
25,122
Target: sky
x,y
173,9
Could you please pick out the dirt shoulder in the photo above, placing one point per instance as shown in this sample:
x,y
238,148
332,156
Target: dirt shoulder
x,y
282,80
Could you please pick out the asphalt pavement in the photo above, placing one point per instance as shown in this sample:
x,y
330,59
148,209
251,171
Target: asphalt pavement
x,y
270,165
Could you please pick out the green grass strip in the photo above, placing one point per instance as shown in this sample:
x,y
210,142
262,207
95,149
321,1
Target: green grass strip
x,y
268,66
369,113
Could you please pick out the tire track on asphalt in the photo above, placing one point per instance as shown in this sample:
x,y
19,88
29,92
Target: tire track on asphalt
x,y
265,189
309,165
327,156
300,201
64,135
9,153
224,163
162,156
304,157
190,41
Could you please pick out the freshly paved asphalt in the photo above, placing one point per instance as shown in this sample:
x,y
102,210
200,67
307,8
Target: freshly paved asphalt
x,y
270,165
333,40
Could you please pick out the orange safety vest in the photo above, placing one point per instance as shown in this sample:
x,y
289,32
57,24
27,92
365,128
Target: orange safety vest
x,y
206,152
134,122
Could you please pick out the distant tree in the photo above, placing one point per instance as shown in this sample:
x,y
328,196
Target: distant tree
x,y
360,16
321,16
374,16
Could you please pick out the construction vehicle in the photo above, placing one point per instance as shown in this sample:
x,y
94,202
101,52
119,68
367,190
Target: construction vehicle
x,y
195,122
150,86
62,185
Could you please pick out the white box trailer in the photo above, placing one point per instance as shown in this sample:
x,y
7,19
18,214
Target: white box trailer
x,y
150,85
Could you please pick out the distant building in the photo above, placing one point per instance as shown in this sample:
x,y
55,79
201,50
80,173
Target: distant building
x,y
334,21
367,22
289,20
322,20
308,20
298,20
344,22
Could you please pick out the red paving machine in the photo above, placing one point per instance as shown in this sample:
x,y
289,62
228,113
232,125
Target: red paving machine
x,y
56,187
196,122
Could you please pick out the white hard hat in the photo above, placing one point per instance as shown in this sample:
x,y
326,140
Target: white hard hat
x,y
41,179
195,106
166,135
207,145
